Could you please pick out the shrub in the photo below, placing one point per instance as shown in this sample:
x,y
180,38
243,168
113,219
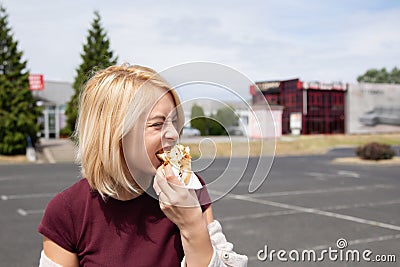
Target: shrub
x,y
65,132
375,151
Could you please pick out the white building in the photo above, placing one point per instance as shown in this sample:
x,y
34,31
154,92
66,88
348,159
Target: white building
x,y
265,122
53,98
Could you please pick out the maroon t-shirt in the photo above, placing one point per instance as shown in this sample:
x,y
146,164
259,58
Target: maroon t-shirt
x,y
113,232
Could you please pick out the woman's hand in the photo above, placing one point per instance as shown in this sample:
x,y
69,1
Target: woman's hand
x,y
182,207
178,203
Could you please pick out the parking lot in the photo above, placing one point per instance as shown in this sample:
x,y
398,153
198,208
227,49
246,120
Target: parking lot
x,y
306,203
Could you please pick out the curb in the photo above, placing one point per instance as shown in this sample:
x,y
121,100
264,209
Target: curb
x,y
395,161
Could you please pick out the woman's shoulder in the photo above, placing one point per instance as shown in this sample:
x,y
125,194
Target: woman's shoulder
x,y
72,194
66,204
80,186
59,220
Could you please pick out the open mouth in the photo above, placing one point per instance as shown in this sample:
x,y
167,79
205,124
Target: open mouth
x,y
161,151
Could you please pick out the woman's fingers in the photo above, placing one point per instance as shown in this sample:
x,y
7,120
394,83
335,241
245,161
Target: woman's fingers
x,y
167,179
160,182
156,187
170,176
171,191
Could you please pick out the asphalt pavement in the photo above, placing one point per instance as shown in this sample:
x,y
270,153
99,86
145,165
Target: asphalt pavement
x,y
306,203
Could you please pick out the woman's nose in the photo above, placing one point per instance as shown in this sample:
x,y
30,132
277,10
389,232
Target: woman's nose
x,y
171,133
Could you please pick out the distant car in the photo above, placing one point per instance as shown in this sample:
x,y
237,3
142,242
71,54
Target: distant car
x,y
381,115
235,130
190,131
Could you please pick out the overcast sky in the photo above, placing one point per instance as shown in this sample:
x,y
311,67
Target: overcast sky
x,y
265,39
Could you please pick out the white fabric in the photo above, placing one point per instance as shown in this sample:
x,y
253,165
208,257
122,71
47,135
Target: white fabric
x,y
46,262
223,255
193,183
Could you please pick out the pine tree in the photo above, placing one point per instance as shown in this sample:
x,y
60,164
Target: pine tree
x,y
96,55
18,109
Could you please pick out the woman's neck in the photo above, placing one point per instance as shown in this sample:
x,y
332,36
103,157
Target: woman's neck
x,y
125,195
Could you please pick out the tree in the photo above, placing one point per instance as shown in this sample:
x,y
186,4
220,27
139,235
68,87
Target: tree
x,y
380,76
226,116
395,75
214,126
198,119
219,123
96,55
18,109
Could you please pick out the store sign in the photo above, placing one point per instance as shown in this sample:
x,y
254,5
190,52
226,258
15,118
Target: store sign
x,y
264,86
295,123
36,82
295,120
252,90
324,85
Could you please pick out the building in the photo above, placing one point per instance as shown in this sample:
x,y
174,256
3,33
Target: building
x,y
265,122
53,97
308,107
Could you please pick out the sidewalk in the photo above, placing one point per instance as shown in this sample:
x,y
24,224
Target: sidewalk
x,y
64,150
56,150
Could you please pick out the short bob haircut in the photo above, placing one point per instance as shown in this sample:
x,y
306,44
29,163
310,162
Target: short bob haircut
x,y
102,123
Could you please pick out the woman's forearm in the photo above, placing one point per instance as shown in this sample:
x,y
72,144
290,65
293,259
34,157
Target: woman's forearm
x,y
197,245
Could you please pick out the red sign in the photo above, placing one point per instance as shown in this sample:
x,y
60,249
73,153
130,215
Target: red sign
x,y
36,82
252,90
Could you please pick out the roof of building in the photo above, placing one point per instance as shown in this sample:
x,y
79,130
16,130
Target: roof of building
x,y
58,93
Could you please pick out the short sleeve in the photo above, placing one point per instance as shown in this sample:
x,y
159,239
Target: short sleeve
x,y
203,196
57,223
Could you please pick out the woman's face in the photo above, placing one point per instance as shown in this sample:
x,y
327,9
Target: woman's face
x,y
154,132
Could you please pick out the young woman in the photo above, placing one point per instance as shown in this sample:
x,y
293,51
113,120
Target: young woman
x,y
130,209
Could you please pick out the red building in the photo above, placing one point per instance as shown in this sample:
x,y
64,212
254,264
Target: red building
x,y
309,107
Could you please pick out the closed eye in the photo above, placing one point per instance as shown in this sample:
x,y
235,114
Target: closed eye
x,y
157,124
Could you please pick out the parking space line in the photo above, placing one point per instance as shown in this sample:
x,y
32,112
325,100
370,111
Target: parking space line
x,y
23,212
25,196
320,191
8,178
348,174
258,215
290,212
340,173
361,241
362,205
313,211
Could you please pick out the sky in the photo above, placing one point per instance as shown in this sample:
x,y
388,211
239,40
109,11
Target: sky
x,y
264,40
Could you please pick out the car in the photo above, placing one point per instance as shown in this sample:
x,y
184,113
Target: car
x,y
190,131
235,130
370,118
381,115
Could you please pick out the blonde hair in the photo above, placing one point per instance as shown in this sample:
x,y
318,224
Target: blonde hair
x,y
102,122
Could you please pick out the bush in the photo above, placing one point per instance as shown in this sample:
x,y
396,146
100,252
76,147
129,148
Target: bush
x,y
375,151
65,132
